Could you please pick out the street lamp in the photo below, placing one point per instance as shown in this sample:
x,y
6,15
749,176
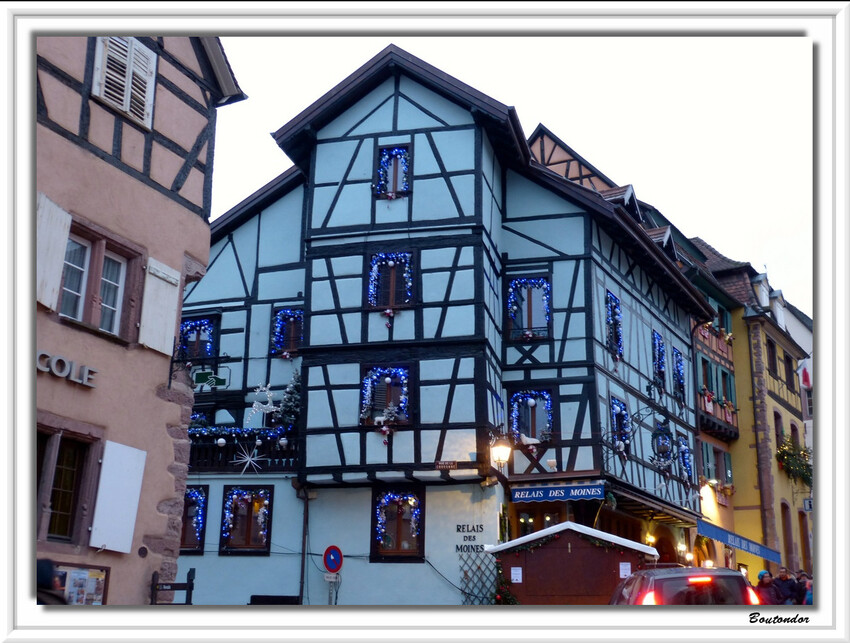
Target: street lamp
x,y
500,451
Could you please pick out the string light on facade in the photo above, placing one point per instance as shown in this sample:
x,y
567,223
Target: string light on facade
x,y
378,375
518,285
196,496
659,361
614,323
685,457
529,398
237,495
620,426
400,157
399,499
200,328
662,446
390,259
283,319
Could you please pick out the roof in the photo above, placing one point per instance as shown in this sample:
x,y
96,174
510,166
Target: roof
x,y
717,262
572,526
230,91
501,121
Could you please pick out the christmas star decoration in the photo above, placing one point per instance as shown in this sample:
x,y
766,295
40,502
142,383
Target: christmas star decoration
x,y
248,458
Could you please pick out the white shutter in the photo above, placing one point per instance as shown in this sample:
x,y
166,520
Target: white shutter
x,y
159,307
118,493
53,225
140,99
124,76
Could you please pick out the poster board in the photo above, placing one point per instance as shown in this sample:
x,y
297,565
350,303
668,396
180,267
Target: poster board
x,y
83,584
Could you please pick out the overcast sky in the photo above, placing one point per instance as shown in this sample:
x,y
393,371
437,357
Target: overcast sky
x,y
715,132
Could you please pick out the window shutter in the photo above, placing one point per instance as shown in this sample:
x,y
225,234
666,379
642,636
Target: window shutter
x,y
142,84
124,76
53,225
727,463
160,306
118,493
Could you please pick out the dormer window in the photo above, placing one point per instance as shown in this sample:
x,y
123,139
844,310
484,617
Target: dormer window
x,y
393,172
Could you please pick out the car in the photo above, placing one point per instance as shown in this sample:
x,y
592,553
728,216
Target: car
x,y
685,586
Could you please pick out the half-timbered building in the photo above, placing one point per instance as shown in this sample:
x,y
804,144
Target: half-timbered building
x,y
418,285
124,151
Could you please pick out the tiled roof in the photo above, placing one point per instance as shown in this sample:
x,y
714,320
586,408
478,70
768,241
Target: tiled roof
x,y
715,261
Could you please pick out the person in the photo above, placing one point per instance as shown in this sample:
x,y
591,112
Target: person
x,y
802,580
809,598
787,587
767,592
47,590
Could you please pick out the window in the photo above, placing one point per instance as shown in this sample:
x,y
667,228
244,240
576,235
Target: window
x,y
197,338
810,402
287,331
771,357
727,468
84,272
614,325
528,308
65,471
124,77
790,372
795,435
391,280
398,524
194,520
778,431
246,520
621,430
709,462
531,415
384,396
393,179
705,373
678,376
659,365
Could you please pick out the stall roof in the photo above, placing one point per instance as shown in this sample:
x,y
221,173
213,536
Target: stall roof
x,y
582,529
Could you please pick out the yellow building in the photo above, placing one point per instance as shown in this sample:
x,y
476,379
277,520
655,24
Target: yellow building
x,y
769,494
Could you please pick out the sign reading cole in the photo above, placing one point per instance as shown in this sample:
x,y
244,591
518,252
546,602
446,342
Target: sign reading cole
x,y
65,368
546,493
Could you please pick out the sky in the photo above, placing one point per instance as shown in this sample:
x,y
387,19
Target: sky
x,y
715,132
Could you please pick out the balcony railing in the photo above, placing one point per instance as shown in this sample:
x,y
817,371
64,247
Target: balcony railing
x,y
243,456
717,339
723,421
529,334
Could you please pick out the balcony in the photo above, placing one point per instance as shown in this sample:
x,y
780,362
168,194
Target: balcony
x,y
242,456
716,339
717,419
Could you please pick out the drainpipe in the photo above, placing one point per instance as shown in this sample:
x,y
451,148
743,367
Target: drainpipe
x,y
305,496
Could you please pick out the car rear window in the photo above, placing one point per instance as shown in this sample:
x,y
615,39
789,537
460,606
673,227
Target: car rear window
x,y
711,590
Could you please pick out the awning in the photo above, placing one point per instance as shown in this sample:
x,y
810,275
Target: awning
x,y
653,508
738,542
594,490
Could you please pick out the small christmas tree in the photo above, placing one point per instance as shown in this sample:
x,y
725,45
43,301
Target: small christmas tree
x,y
290,406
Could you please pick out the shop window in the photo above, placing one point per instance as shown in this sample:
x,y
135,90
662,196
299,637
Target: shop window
x,y
398,525
246,520
287,331
659,362
385,396
614,326
194,520
531,415
91,267
529,301
391,280
393,180
124,77
65,473
198,338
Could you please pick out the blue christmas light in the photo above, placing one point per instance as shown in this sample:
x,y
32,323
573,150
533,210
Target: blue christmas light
x,y
280,335
196,496
679,374
399,375
614,324
388,154
236,495
621,428
253,433
658,360
521,397
662,446
520,284
199,327
390,259
391,497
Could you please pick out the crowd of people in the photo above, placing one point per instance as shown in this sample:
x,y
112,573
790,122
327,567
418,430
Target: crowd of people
x,y
785,589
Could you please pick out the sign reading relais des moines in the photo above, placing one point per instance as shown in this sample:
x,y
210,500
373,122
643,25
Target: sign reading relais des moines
x,y
546,493
468,536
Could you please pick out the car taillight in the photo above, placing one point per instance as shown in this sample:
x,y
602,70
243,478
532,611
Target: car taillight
x,y
754,598
700,579
648,599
